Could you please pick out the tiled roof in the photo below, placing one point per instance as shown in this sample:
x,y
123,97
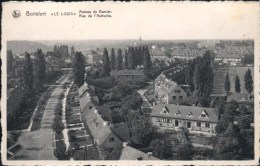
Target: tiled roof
x,y
127,72
166,85
121,131
83,89
227,55
238,97
99,130
184,111
129,153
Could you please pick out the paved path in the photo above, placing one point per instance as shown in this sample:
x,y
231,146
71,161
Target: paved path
x,y
38,145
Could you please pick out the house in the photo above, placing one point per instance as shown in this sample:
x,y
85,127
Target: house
x,y
169,91
92,57
238,97
127,74
105,139
197,119
228,58
130,153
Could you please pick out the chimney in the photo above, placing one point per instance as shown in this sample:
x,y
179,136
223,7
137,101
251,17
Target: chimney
x,y
125,144
149,155
104,123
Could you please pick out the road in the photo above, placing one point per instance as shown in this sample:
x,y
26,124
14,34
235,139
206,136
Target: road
x,y
38,145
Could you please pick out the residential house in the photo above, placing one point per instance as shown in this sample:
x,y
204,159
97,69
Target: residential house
x,y
169,91
127,74
196,119
227,58
130,153
239,97
92,57
105,139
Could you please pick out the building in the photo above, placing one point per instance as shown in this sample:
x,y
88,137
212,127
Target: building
x,y
130,153
127,74
196,119
226,58
169,91
239,97
92,57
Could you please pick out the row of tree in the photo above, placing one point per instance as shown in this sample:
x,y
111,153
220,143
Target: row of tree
x,y
61,51
248,82
199,77
133,58
79,68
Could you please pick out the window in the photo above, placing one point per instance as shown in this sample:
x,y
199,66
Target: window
x,y
180,97
202,124
176,123
207,125
203,115
177,91
111,139
173,97
198,124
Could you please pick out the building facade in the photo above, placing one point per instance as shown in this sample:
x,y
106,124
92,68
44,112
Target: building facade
x,y
195,119
169,91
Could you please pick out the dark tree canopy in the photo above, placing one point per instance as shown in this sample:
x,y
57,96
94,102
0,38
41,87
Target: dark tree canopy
x,y
126,59
113,59
248,81
79,68
119,60
227,83
41,68
106,66
10,62
237,84
28,75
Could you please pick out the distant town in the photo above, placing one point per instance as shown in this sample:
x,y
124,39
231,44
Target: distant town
x,y
130,100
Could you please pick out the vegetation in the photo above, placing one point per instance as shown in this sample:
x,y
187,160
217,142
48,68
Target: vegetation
x,y
40,68
79,68
28,77
248,81
227,83
106,65
119,60
237,84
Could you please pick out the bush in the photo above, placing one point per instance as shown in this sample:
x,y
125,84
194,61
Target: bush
x,y
60,151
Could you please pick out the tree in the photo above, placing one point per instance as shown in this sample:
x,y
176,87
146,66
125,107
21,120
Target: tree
x,y
131,64
184,151
126,59
79,68
113,59
189,75
147,62
40,69
119,63
162,149
28,76
248,81
10,62
244,122
72,51
227,83
237,84
106,66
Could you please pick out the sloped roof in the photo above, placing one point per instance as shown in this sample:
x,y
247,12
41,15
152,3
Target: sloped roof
x,y
238,97
185,111
130,153
227,55
121,130
127,72
83,89
166,85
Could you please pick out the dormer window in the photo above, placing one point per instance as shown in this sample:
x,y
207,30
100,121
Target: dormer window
x,y
204,114
190,114
165,110
178,113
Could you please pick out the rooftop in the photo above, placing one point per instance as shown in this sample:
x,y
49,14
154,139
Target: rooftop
x,y
127,72
185,112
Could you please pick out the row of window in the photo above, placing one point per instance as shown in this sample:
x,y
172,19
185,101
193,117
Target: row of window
x,y
174,97
176,122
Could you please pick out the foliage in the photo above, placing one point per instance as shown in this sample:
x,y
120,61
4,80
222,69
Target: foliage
x,y
162,149
60,151
116,153
10,62
227,83
248,59
79,68
119,60
237,84
106,65
113,59
28,76
40,67
248,81
184,151
244,122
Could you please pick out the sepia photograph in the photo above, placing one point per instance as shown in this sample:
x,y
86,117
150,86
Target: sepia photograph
x,y
134,97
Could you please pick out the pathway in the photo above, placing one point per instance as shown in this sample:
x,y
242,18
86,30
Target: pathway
x,y
38,145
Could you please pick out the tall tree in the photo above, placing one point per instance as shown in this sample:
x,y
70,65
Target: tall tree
x,y
28,76
147,62
106,66
248,81
126,59
40,69
113,59
119,63
79,68
72,51
131,64
189,75
227,83
237,84
10,62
